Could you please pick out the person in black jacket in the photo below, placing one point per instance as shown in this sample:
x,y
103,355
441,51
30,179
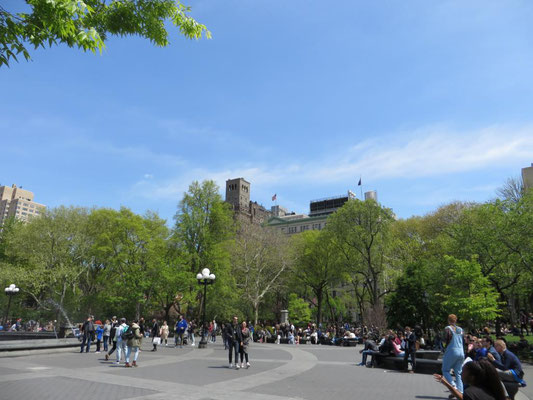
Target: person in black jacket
x,y
87,330
410,349
154,333
234,339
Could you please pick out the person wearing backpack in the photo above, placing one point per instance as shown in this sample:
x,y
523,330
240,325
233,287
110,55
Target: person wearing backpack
x,y
119,334
133,338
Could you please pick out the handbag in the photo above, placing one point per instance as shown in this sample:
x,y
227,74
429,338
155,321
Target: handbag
x,y
156,340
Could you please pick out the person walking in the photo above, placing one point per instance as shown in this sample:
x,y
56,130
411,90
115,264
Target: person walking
x,y
234,339
164,333
133,343
454,355
121,343
245,334
155,333
107,334
113,337
191,330
213,331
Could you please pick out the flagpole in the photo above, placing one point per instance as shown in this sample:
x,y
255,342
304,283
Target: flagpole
x,y
361,184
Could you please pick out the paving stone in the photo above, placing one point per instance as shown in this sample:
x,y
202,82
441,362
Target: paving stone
x,y
278,372
67,389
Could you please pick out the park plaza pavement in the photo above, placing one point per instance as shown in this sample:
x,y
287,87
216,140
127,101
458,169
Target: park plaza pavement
x,y
277,372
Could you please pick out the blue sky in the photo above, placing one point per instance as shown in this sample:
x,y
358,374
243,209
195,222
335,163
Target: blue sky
x,y
428,101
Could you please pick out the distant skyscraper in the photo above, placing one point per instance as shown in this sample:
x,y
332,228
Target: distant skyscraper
x,y
17,202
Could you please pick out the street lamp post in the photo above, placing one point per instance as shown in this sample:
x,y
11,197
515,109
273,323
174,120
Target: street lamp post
x,y
204,278
10,291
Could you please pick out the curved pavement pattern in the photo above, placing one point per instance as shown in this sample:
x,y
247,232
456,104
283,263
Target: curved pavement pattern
x,y
277,372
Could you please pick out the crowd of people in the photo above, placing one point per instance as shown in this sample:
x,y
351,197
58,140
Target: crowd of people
x,y
483,368
124,338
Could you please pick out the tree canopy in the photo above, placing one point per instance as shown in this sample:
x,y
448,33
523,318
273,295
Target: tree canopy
x,y
88,24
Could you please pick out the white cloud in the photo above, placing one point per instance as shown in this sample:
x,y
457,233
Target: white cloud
x,y
429,152
433,152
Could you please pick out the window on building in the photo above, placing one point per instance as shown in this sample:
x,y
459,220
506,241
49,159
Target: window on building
x,y
24,208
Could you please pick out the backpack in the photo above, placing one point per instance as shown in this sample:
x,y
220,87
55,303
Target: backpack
x,y
127,333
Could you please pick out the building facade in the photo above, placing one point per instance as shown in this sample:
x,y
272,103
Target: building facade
x,y
319,210
238,196
527,177
18,203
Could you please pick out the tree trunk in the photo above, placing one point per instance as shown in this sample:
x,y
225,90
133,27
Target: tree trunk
x,y
319,298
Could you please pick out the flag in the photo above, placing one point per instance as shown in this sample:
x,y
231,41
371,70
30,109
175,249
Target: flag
x,y
274,197
359,184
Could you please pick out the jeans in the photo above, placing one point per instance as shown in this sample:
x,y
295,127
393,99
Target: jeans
x,y
106,343
452,360
365,354
233,345
135,353
191,335
121,347
86,341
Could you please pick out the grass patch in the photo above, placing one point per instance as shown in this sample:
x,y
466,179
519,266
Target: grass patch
x,y
514,339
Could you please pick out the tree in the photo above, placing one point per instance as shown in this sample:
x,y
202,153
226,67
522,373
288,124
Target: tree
x,y
413,301
51,253
299,311
512,190
88,24
130,250
316,265
204,226
467,292
360,230
260,256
